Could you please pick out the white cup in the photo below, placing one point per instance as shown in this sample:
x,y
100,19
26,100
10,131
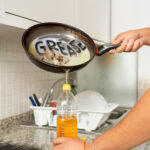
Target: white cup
x,y
40,116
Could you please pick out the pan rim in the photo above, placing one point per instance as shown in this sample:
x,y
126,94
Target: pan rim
x,y
26,33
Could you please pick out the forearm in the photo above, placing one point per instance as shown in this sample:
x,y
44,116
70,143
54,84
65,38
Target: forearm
x,y
133,130
145,35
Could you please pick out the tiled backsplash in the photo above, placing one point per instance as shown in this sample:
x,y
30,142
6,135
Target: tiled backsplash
x,y
19,79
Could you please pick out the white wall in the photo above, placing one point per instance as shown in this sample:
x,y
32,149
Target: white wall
x,y
111,75
94,18
127,15
122,16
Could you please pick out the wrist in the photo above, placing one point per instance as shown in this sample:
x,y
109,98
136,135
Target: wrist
x,y
89,146
145,35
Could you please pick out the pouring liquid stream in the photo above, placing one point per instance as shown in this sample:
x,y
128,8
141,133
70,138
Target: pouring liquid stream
x,y
67,74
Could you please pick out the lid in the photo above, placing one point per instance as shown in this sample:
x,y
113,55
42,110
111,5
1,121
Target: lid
x,y
66,87
83,138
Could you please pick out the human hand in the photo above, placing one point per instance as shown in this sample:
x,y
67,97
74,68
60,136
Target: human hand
x,y
130,41
69,144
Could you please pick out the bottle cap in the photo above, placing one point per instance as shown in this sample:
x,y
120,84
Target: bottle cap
x,y
66,87
83,138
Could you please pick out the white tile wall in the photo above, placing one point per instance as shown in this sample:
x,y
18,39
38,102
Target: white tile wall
x,y
143,70
126,16
19,79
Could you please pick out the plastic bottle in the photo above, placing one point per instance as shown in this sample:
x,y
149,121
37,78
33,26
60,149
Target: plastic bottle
x,y
67,114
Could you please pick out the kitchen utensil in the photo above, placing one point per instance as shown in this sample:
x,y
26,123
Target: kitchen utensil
x,y
50,39
46,98
32,101
36,99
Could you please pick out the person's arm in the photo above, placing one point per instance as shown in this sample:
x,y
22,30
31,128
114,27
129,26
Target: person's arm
x,y
132,40
133,130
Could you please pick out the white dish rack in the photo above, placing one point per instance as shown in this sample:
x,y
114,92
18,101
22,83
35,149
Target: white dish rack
x,y
86,120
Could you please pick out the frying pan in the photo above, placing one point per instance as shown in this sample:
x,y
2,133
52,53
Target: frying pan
x,y
64,39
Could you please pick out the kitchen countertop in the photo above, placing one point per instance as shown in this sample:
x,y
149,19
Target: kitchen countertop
x,y
20,133
33,138
30,138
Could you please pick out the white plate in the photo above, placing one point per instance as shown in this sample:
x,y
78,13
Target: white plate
x,y
91,101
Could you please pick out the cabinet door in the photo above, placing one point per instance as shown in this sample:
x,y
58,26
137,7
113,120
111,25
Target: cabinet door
x,y
44,11
94,18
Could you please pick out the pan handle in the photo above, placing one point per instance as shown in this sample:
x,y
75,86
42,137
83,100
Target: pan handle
x,y
105,48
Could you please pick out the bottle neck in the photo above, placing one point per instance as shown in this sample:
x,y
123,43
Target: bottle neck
x,y
67,103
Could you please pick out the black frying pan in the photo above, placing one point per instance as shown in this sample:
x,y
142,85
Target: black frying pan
x,y
61,43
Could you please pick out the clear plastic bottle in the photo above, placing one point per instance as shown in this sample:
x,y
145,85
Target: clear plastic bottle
x,y
67,114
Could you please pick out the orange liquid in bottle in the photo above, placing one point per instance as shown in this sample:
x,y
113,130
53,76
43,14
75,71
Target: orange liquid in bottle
x,y
67,126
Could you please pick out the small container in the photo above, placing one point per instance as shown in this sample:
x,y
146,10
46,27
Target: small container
x,y
44,116
40,115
